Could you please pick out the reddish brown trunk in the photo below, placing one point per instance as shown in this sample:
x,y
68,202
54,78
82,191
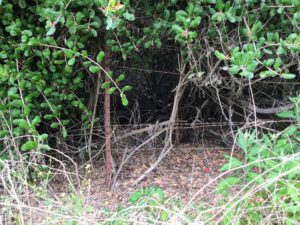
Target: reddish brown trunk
x,y
107,122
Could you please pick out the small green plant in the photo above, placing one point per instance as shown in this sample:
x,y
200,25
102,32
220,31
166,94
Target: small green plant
x,y
72,210
148,202
269,191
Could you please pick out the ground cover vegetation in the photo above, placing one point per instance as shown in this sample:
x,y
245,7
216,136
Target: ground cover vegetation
x,y
74,73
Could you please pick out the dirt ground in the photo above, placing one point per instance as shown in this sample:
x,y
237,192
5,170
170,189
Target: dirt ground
x,y
182,173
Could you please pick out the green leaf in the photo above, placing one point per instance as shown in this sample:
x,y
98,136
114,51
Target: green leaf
x,y
51,31
100,56
286,114
65,133
124,100
126,88
54,125
69,53
219,55
47,53
71,61
227,183
291,130
22,4
36,121
247,74
267,51
288,76
43,137
105,84
163,216
112,90
29,145
128,16
277,63
120,78
195,22
79,16
90,209
112,23
243,140
252,66
252,176
21,123
268,62
181,17
220,5
94,32
267,73
234,162
135,196
280,51
94,69
177,28
192,34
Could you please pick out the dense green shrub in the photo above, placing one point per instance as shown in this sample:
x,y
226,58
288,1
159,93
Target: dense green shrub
x,y
48,49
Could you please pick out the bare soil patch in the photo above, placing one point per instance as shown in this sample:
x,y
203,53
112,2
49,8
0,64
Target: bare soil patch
x,y
182,173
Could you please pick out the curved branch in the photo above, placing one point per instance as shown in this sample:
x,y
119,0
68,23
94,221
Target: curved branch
x,y
271,110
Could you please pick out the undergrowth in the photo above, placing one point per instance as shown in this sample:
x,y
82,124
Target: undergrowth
x,y
263,188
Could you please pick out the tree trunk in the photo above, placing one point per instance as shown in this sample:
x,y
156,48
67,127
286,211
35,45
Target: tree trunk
x,y
108,166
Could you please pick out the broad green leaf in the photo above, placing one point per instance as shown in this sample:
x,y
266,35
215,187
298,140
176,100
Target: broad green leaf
x,y
126,88
195,22
51,31
268,62
69,53
36,121
234,162
112,90
252,176
267,73
291,130
120,78
288,76
277,63
94,69
21,123
286,114
219,55
112,23
29,145
247,74
163,216
227,183
71,61
243,140
65,133
43,137
124,100
100,56
280,51
177,28
220,5
128,16
192,35
105,84
54,125
22,4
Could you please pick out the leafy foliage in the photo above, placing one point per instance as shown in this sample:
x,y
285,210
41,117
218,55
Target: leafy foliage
x,y
271,169
45,45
